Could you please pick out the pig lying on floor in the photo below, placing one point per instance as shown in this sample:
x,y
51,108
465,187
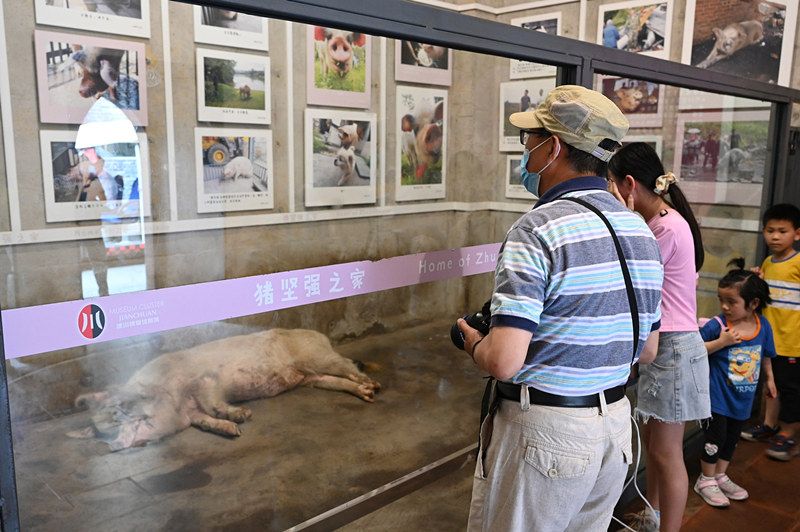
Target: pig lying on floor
x,y
196,386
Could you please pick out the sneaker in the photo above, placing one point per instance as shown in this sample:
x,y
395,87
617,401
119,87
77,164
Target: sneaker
x,y
760,432
709,490
731,489
644,521
783,448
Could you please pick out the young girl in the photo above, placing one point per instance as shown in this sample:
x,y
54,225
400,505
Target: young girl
x,y
673,389
739,341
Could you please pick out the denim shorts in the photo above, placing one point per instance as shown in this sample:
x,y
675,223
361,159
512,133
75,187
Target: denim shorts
x,y
674,387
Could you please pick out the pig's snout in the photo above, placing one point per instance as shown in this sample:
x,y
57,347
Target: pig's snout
x,y
341,53
433,139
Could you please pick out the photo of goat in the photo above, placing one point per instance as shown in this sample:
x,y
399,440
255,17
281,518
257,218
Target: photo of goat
x,y
74,71
224,27
549,23
339,67
637,26
234,169
233,87
518,96
423,63
638,99
753,39
119,17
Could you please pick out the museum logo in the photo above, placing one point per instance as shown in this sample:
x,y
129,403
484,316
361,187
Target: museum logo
x,y
91,321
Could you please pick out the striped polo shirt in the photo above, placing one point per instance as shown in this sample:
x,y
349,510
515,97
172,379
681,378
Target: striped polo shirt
x,y
558,276
783,278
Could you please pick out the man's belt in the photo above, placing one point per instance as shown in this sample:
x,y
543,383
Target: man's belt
x,y
511,392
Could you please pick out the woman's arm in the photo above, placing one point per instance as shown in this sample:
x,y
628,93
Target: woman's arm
x,y
650,349
771,390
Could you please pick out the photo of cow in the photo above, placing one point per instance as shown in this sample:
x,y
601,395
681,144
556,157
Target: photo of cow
x,y
639,100
752,39
639,26
224,27
73,71
518,96
233,87
549,23
423,63
118,17
339,67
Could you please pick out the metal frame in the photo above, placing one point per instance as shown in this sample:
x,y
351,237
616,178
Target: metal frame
x,y
579,61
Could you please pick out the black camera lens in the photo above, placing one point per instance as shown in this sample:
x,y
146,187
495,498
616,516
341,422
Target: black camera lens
x,y
479,321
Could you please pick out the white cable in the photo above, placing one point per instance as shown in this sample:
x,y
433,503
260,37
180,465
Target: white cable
x,y
635,472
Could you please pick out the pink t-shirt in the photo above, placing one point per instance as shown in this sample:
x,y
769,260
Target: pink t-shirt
x,y
679,295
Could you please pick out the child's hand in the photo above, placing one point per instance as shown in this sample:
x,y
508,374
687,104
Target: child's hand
x,y
730,337
772,392
756,270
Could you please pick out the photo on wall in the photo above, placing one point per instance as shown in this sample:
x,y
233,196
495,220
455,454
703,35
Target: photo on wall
x,y
72,71
232,87
224,27
514,188
639,26
339,68
722,155
547,23
753,39
519,96
639,100
421,134
341,157
119,17
106,183
418,62
655,141
233,169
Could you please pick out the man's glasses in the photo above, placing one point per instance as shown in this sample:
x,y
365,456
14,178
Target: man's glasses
x,y
525,134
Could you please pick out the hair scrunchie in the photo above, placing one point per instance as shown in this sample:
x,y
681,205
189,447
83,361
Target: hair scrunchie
x,y
663,182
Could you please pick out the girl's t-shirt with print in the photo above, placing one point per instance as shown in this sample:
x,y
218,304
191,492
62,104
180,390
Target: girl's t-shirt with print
x,y
735,369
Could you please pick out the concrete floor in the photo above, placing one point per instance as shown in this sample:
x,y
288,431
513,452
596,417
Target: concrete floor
x,y
302,453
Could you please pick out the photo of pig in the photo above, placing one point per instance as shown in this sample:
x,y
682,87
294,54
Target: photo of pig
x,y
119,17
753,39
233,87
202,386
423,63
422,136
514,188
549,23
234,169
339,67
341,157
518,96
639,26
224,27
638,99
74,71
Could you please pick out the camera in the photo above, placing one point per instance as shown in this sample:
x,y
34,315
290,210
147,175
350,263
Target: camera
x,y
480,320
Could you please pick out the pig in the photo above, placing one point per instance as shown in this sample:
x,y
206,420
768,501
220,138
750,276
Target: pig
x,y
732,39
197,386
334,49
245,92
628,99
426,126
346,162
238,167
98,68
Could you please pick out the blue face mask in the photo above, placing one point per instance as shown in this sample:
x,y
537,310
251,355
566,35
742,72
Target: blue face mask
x,y
530,180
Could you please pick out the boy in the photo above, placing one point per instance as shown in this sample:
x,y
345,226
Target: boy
x,y
781,270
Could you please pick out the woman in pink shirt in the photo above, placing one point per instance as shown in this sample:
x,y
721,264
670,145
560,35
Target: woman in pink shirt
x,y
674,388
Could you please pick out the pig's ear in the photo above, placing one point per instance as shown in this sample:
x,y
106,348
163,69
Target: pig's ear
x,y
717,34
438,112
359,39
319,33
82,434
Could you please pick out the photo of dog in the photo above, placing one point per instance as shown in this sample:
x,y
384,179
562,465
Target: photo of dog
x,y
341,157
233,87
639,26
549,23
640,100
119,17
224,27
339,67
74,71
753,39
234,169
423,63
518,96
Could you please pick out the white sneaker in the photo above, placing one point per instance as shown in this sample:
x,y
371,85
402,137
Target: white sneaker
x,y
731,489
709,490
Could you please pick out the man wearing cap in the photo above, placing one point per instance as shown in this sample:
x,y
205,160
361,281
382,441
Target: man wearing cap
x,y
567,325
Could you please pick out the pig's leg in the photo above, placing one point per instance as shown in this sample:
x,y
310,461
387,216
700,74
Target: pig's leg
x,y
210,401
336,364
329,382
219,426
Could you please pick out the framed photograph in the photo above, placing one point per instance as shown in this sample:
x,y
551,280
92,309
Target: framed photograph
x,y
655,141
234,169
514,188
233,87
110,183
341,157
517,96
547,23
754,40
722,156
421,134
418,62
639,26
128,17
224,27
695,99
640,101
339,68
73,70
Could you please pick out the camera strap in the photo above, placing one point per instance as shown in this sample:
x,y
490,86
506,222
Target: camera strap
x,y
625,272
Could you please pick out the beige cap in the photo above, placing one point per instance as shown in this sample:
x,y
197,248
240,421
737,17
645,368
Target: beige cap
x,y
581,117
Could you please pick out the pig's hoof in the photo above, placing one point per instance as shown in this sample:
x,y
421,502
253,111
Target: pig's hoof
x,y
366,393
241,414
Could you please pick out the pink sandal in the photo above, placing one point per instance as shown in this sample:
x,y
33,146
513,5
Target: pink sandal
x,y
709,490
